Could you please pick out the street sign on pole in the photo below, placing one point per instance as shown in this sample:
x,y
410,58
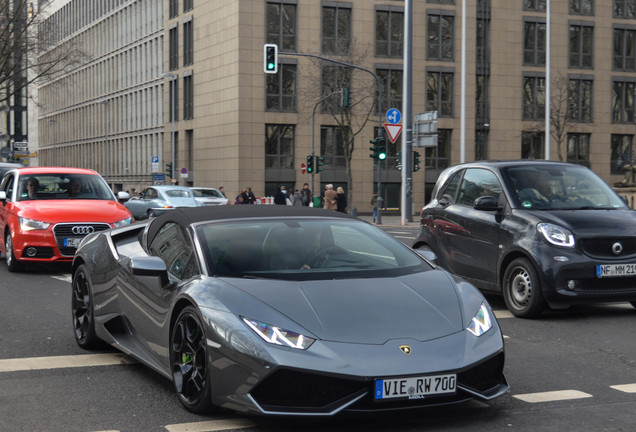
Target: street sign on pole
x,y
393,130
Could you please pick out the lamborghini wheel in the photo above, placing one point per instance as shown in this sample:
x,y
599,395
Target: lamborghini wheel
x,y
83,310
188,357
13,265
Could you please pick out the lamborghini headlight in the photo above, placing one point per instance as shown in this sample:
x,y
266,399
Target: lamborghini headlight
x,y
481,322
123,222
30,224
279,336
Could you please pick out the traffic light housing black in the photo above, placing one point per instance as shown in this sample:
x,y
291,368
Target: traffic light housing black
x,y
169,169
374,148
381,149
346,97
270,58
416,161
310,164
398,165
320,163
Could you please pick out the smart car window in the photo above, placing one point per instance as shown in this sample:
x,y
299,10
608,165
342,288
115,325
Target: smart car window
x,y
452,186
478,183
174,247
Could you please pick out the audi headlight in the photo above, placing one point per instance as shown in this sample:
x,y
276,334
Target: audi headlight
x,y
481,322
279,336
556,235
30,224
123,222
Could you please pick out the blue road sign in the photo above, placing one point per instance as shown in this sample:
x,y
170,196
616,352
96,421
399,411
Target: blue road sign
x,y
155,159
393,116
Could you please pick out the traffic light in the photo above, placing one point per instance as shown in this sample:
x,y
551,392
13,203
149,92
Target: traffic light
x,y
416,161
398,165
374,148
310,164
169,169
270,58
381,149
346,97
320,164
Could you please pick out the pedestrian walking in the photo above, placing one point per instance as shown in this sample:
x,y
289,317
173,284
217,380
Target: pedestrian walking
x,y
331,198
341,200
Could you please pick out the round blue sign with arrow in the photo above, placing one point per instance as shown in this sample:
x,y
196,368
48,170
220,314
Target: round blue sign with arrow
x,y
393,116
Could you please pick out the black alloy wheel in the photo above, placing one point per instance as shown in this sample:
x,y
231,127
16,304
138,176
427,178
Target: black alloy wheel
x,y
188,357
83,310
522,289
13,265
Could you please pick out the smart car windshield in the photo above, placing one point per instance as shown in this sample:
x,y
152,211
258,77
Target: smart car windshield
x,y
559,187
299,249
63,186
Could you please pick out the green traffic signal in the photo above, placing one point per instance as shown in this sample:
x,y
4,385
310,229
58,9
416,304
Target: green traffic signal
x,y
310,164
382,149
270,58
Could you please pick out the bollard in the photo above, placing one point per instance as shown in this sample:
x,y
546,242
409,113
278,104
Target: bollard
x,y
354,212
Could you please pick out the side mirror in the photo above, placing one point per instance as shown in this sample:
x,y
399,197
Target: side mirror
x,y
3,196
487,203
427,254
123,196
149,266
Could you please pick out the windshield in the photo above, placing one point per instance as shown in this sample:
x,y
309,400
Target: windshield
x,y
559,187
63,186
309,248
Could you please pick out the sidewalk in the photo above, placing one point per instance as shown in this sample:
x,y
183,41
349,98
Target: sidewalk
x,y
392,220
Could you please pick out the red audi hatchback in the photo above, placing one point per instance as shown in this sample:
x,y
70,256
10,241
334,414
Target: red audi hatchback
x,y
45,212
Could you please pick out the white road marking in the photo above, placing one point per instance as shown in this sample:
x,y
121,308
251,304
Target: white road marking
x,y
64,278
58,362
503,313
626,388
209,426
552,396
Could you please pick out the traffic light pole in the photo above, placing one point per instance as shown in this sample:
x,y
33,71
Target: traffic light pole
x,y
380,134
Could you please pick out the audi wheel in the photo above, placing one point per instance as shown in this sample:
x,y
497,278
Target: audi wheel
x,y
13,265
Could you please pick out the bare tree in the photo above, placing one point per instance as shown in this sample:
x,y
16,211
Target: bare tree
x,y
30,48
332,79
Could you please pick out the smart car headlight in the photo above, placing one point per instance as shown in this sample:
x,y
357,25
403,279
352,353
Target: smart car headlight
x,y
30,224
279,336
556,235
123,222
481,322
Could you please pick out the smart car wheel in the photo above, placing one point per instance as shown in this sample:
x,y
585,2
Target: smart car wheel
x,y
13,265
522,289
188,357
83,310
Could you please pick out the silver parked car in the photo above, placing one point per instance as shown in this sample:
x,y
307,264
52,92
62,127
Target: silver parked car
x,y
209,196
159,199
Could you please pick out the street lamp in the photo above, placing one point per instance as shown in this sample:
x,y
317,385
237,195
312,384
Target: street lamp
x,y
172,77
54,143
105,103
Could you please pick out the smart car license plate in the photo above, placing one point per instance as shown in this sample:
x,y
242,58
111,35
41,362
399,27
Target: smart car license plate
x,y
615,270
415,387
72,242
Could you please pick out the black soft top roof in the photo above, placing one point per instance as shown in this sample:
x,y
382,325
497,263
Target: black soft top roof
x,y
185,216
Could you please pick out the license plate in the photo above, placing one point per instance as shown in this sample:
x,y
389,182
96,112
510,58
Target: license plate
x,y
615,270
72,242
415,387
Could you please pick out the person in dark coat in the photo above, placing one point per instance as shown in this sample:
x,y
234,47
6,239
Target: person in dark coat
x,y
279,197
341,198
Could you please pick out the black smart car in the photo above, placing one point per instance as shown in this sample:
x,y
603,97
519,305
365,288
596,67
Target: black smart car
x,y
540,232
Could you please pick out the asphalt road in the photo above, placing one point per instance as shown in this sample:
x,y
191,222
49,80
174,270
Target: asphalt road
x,y
569,370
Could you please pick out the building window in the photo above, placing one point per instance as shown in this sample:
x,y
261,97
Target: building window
x,y
582,7
625,8
281,25
534,43
188,97
336,30
622,153
332,146
392,83
333,79
481,98
623,102
439,45
439,93
188,5
580,100
438,158
279,146
174,100
579,149
174,8
174,49
534,5
188,42
625,50
481,143
533,97
581,46
389,33
532,145
281,89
